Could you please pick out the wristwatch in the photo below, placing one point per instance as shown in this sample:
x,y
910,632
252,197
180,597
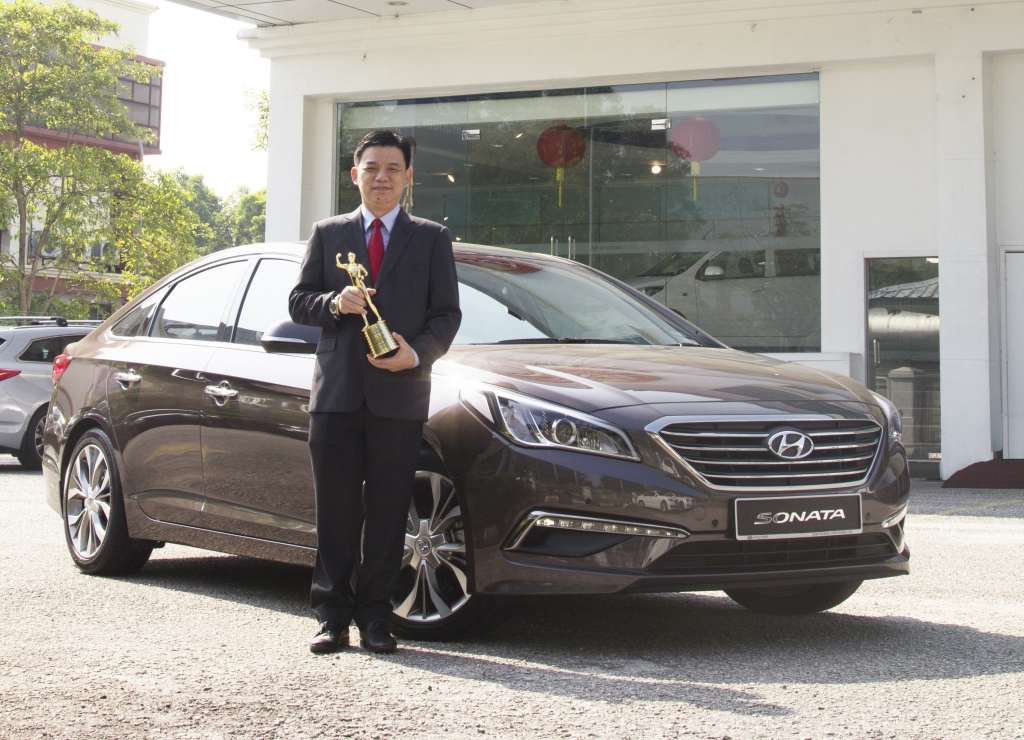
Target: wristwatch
x,y
332,306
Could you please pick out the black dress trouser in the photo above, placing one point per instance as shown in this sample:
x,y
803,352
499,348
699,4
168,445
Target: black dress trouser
x,y
346,450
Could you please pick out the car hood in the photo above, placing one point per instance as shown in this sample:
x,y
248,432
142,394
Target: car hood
x,y
594,377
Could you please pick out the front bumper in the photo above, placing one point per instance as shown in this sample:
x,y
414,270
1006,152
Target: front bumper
x,y
506,484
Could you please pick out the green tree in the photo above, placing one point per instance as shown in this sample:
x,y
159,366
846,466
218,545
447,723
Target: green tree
x,y
247,212
66,198
153,229
209,209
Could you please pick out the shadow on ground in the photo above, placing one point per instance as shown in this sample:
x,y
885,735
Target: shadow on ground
x,y
645,647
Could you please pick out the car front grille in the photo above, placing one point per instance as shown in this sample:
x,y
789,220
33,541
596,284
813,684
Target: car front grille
x,y
734,455
752,556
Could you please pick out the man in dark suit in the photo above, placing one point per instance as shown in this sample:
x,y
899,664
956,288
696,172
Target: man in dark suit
x,y
366,414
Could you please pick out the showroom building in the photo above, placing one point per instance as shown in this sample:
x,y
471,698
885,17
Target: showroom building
x,y
834,183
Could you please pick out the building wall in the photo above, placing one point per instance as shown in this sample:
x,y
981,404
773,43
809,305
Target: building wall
x,y
914,98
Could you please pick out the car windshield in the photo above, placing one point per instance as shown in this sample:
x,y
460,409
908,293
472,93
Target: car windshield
x,y
507,300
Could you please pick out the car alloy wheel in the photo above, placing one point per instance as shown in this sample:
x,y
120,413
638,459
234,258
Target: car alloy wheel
x,y
87,500
433,583
37,435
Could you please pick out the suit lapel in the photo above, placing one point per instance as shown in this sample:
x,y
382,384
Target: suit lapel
x,y
397,245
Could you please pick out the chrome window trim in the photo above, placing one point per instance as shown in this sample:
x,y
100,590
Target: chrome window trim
x,y
655,427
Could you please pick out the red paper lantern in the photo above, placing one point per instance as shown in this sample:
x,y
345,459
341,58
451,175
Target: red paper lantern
x,y
561,146
696,140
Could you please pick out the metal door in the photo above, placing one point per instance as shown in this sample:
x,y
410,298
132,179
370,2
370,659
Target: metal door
x,y
1014,356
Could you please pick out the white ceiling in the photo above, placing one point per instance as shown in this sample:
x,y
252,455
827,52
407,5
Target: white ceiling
x,y
290,12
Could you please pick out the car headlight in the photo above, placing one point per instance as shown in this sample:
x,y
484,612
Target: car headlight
x,y
894,422
535,423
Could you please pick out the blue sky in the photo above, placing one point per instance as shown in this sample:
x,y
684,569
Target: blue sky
x,y
207,128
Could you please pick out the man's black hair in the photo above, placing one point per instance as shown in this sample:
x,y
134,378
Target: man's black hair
x,y
385,138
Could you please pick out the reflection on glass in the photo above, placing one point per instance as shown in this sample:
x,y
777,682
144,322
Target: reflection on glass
x,y
660,185
526,302
903,351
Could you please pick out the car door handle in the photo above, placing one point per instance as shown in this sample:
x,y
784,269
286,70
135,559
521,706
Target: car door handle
x,y
220,393
127,379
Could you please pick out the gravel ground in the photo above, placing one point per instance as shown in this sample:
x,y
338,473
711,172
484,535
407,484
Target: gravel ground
x,y
210,646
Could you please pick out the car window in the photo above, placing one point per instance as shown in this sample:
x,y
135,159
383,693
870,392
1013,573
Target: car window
x,y
734,265
196,306
675,264
790,262
266,299
46,348
136,322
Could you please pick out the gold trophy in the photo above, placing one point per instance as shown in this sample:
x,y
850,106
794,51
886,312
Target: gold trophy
x,y
377,334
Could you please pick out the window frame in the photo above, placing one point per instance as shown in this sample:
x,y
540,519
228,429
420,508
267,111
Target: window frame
x,y
244,292
230,306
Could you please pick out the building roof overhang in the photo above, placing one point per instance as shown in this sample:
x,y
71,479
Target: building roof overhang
x,y
296,12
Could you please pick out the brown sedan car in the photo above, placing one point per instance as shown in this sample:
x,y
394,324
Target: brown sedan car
x,y
582,439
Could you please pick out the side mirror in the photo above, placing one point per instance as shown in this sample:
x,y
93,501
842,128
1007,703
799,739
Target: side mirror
x,y
713,271
287,336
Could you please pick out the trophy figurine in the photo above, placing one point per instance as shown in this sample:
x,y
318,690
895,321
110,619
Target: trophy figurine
x,y
377,334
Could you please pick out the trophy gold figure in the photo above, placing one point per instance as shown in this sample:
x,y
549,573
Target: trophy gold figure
x,y
378,336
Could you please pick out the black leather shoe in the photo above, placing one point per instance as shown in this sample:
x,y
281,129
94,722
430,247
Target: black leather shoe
x,y
329,639
376,637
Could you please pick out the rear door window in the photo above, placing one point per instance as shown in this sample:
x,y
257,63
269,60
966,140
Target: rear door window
x,y
197,306
46,348
136,322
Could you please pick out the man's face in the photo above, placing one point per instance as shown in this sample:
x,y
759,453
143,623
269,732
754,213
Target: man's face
x,y
381,175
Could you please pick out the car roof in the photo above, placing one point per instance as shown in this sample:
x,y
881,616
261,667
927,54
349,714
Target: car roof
x,y
45,330
298,249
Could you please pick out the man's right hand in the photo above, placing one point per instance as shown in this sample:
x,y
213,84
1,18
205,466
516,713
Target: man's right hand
x,y
351,300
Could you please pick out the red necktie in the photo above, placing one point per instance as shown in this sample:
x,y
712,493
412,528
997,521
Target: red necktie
x,y
376,247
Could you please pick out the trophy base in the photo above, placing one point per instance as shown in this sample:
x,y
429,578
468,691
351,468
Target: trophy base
x,y
379,340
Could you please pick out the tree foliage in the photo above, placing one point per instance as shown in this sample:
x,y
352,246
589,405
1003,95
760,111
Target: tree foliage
x,y
209,209
67,197
247,214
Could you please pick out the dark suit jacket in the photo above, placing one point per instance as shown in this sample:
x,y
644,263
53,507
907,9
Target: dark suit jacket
x,y
417,294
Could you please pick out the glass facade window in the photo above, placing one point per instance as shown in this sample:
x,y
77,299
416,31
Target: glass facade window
x,y
702,194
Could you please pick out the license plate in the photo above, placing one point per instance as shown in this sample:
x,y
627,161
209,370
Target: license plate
x,y
776,517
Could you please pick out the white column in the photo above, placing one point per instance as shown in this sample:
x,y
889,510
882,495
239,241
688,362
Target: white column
x,y
284,166
962,236
319,162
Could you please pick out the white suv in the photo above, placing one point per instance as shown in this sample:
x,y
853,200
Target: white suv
x,y
28,345
751,294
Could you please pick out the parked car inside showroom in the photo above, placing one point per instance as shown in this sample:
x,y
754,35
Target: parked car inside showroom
x,y
762,294
570,408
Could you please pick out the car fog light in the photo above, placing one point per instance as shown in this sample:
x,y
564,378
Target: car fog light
x,y
593,524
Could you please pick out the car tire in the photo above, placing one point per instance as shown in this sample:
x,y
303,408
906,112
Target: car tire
x,y
432,598
30,455
794,600
95,528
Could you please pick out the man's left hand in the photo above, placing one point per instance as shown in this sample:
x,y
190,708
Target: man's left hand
x,y
404,359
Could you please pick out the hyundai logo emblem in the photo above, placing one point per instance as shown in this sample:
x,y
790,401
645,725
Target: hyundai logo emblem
x,y
790,444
